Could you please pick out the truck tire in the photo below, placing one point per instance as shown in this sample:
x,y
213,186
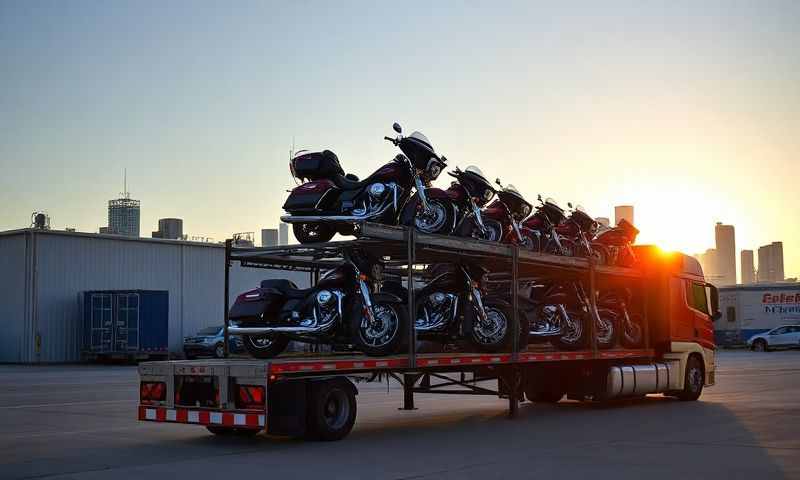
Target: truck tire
x,y
263,347
331,410
239,432
549,396
693,380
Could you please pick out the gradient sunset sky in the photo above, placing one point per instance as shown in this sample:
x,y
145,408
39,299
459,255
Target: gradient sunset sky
x,y
688,110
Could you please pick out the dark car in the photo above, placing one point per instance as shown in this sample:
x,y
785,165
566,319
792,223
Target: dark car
x,y
210,341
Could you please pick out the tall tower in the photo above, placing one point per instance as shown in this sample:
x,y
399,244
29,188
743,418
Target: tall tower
x,y
623,211
770,262
726,253
748,267
283,234
123,213
269,237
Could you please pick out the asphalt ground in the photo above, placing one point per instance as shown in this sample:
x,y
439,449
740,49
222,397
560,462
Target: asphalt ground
x,y
80,422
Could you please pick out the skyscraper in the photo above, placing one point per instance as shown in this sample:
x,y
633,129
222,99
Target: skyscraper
x,y
770,263
709,261
726,253
623,211
269,237
123,213
283,234
748,268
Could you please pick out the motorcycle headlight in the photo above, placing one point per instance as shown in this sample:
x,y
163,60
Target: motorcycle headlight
x,y
487,195
526,210
434,170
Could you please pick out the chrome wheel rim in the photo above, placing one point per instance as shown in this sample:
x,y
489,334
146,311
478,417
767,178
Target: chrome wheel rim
x,y
633,332
547,322
489,233
573,330
260,342
695,378
433,220
605,331
493,329
383,330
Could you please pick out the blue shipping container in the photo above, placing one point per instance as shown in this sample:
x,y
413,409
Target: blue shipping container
x,y
125,322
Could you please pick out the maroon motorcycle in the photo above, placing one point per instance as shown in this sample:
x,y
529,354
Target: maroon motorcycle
x,y
541,228
330,202
618,242
580,229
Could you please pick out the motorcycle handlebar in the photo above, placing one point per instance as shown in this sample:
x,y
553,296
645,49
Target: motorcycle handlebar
x,y
390,139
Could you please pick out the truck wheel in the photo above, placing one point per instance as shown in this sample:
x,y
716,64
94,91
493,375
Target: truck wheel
x,y
312,232
760,345
693,380
331,411
264,346
239,432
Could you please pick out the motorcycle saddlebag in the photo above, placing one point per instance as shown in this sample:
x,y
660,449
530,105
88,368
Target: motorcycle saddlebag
x,y
270,301
307,198
316,165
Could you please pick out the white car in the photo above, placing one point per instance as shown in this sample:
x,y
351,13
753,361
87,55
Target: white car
x,y
786,336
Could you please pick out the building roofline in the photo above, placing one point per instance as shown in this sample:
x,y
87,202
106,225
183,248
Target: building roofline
x,y
761,287
104,236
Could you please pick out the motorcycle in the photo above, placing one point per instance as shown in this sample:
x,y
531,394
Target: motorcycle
x,y
563,310
618,242
580,229
454,304
341,309
509,210
454,207
616,302
541,229
331,202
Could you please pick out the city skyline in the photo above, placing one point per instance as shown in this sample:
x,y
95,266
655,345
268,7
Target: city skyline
x,y
691,123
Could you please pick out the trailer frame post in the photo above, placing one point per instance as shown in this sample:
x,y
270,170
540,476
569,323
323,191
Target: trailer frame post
x,y
646,313
515,330
513,383
594,314
226,336
412,312
409,380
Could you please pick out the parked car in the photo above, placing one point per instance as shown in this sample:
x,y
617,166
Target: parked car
x,y
210,341
786,336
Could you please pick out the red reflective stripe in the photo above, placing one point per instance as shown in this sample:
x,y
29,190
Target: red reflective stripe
x,y
227,419
251,420
161,414
203,418
181,416
141,413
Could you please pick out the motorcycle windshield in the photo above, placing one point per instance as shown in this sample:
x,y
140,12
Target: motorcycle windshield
x,y
422,138
476,171
551,201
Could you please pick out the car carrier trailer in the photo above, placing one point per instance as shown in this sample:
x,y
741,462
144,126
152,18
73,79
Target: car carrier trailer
x,y
315,396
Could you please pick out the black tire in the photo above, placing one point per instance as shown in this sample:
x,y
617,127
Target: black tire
x,y
331,411
632,336
609,339
493,230
548,396
313,232
388,335
232,431
495,336
577,337
261,346
439,221
760,345
693,380
219,350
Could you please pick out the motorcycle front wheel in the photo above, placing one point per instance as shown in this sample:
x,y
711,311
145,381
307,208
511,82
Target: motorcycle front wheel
x,y
438,219
573,332
386,334
606,328
632,333
469,228
265,346
493,334
313,232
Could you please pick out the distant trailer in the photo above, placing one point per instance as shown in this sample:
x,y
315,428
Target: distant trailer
x,y
751,309
125,324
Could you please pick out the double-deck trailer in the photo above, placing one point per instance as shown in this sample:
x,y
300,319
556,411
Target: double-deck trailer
x,y
314,395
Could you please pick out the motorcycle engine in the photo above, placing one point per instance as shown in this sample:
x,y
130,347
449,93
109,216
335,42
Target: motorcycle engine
x,y
436,311
377,191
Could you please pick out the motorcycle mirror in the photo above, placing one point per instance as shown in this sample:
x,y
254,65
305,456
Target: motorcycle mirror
x,y
539,197
569,204
397,128
497,181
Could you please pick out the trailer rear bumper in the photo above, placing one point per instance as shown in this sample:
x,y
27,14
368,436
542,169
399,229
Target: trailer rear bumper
x,y
234,419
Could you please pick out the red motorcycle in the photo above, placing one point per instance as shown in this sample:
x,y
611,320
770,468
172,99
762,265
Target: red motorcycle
x,y
540,228
618,243
502,218
580,229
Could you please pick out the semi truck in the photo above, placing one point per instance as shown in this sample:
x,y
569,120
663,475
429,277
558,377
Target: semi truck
x,y
314,395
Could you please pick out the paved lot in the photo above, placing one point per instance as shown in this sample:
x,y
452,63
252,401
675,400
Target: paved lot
x,y
78,422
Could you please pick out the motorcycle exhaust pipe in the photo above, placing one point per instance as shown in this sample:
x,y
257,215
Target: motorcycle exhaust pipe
x,y
285,330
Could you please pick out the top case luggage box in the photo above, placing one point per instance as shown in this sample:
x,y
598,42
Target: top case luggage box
x,y
316,165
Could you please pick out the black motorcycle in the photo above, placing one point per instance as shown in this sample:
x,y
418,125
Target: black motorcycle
x,y
615,303
341,309
329,201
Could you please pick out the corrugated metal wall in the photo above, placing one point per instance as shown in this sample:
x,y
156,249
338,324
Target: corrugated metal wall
x,y
66,265
15,337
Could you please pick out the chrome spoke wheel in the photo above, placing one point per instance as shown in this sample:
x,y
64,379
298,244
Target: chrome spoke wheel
x,y
572,329
383,329
492,329
433,220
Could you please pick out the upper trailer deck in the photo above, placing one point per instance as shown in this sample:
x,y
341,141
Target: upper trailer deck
x,y
399,246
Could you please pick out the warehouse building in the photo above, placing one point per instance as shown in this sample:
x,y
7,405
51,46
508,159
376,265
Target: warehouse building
x,y
751,309
44,273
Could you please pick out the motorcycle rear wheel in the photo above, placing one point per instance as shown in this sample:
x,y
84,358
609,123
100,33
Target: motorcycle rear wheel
x,y
262,346
313,232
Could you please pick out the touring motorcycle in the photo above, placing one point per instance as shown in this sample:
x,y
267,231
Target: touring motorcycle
x,y
618,242
580,229
509,210
614,303
329,201
541,228
455,305
341,309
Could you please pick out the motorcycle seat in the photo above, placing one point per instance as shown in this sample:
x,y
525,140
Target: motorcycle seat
x,y
346,183
287,288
